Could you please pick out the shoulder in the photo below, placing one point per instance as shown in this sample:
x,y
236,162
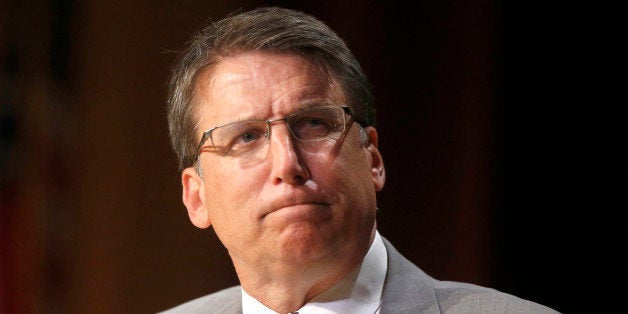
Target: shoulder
x,y
456,297
224,301
409,290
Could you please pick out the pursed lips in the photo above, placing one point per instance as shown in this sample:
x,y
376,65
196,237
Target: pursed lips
x,y
286,203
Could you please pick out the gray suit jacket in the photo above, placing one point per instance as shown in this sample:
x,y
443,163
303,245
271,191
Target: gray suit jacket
x,y
407,289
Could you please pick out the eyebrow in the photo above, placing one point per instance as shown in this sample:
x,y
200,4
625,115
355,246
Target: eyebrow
x,y
310,103
303,104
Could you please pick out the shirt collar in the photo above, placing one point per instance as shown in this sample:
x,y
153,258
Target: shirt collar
x,y
358,292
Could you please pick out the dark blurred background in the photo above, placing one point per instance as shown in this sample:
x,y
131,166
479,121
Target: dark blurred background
x,y
489,178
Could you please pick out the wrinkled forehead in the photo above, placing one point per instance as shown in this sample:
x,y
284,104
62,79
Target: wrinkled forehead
x,y
260,83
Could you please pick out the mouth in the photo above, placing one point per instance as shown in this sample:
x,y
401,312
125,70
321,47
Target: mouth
x,y
295,208
299,213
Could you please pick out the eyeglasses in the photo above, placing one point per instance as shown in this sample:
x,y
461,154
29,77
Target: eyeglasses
x,y
245,138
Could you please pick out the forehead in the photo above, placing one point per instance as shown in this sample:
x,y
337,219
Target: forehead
x,y
260,85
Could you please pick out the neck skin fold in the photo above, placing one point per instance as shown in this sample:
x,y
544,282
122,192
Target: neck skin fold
x,y
285,288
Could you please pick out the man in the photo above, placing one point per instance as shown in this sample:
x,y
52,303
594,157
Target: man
x,y
270,116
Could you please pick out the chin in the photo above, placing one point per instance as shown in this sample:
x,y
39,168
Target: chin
x,y
303,243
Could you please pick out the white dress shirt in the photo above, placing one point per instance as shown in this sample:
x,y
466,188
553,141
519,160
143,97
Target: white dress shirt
x,y
359,292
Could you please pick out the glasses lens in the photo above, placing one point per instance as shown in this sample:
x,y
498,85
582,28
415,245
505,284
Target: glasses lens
x,y
317,123
239,137
245,139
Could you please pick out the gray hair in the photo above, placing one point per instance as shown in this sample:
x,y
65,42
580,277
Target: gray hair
x,y
269,29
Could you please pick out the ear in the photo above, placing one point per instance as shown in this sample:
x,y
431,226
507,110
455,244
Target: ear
x,y
377,163
194,198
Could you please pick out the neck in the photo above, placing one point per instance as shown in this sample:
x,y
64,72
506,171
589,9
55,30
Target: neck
x,y
286,294
286,287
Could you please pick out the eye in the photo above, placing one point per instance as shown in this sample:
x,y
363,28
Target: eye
x,y
313,122
310,123
249,137
312,127
240,137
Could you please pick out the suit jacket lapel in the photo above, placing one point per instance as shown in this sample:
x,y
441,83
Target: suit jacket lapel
x,y
234,306
407,289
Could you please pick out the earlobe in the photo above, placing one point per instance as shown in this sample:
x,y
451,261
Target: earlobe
x,y
194,198
378,171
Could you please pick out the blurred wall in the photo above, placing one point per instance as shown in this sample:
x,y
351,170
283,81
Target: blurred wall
x,y
91,214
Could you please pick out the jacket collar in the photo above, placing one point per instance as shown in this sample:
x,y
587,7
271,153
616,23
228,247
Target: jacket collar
x,y
407,289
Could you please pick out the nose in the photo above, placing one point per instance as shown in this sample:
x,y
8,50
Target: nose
x,y
288,165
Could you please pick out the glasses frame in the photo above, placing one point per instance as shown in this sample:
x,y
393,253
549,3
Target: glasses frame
x,y
207,134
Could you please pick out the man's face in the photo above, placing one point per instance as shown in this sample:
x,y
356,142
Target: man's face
x,y
297,205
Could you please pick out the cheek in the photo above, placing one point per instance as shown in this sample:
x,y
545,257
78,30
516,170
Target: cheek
x,y
351,180
348,174
228,177
229,190
354,164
